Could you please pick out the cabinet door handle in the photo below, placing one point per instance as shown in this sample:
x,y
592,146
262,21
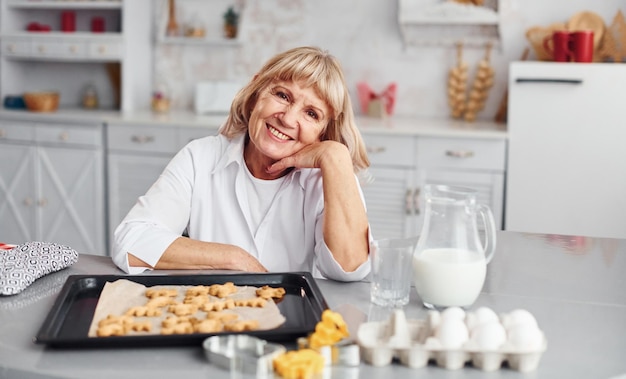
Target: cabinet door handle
x,y
376,149
11,48
3,133
459,153
549,80
408,202
43,202
28,201
416,201
64,136
142,139
41,49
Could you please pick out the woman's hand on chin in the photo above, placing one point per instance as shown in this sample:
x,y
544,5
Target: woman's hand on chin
x,y
312,156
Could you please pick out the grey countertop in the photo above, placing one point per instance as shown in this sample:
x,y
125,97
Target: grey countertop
x,y
575,287
432,127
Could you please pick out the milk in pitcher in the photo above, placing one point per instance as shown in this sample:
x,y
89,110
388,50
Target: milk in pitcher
x,y
449,276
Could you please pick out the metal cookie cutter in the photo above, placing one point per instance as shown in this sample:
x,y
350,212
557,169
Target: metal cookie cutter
x,y
242,353
343,353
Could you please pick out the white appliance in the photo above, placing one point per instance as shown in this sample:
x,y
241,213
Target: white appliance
x,y
567,149
215,96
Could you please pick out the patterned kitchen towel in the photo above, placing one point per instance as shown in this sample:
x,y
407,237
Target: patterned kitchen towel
x,y
25,263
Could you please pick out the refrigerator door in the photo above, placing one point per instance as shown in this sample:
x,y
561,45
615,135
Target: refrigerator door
x,y
566,169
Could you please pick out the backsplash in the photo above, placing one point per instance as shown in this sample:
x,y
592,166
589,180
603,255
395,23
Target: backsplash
x,y
363,34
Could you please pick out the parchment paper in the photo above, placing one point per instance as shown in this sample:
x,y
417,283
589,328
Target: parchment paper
x,y
119,296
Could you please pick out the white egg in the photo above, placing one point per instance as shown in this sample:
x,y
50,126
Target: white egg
x,y
485,315
519,317
525,337
480,316
489,336
453,312
452,333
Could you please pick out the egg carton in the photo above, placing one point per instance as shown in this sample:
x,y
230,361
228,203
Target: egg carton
x,y
416,343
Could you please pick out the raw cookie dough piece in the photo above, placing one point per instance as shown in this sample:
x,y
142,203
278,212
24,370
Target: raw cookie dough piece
x,y
267,292
222,290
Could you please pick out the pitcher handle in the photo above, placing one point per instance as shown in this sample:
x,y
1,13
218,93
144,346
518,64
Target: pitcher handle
x,y
490,231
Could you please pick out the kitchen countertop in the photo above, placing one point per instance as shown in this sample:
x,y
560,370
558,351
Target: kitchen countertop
x,y
573,285
443,127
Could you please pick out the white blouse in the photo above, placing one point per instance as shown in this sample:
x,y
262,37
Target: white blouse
x,y
202,193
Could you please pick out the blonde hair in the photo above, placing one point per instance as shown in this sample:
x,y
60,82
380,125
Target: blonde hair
x,y
313,67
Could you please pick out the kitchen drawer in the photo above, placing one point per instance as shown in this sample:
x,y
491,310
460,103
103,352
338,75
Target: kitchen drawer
x,y
16,131
104,49
461,153
62,134
16,46
43,49
186,135
74,49
140,138
390,150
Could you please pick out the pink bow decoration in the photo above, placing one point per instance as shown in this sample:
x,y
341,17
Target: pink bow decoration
x,y
366,95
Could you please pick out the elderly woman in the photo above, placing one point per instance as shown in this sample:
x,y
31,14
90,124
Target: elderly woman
x,y
275,190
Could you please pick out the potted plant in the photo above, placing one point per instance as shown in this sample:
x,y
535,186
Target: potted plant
x,y
231,20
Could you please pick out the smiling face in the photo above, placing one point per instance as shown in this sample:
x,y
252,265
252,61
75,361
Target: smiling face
x,y
287,117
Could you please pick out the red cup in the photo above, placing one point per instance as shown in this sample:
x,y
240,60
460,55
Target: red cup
x,y
581,46
558,45
68,21
97,25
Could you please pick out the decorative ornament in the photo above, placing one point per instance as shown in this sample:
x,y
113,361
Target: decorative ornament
x,y
457,84
462,105
377,104
483,81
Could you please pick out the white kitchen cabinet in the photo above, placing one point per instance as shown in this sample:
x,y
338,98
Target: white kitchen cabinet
x,y
401,165
115,62
567,128
51,184
137,154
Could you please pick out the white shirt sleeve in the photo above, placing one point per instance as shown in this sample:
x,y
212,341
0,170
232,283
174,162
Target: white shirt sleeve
x,y
158,218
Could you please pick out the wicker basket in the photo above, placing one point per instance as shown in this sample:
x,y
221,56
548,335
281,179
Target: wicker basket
x,y
42,101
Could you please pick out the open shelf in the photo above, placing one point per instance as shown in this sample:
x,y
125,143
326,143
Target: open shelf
x,y
51,4
445,23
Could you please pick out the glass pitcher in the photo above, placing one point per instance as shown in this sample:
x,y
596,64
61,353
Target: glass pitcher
x,y
450,261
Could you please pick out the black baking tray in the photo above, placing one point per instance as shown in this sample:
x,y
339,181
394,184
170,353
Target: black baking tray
x,y
67,323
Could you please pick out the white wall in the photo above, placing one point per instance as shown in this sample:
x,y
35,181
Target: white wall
x,y
363,34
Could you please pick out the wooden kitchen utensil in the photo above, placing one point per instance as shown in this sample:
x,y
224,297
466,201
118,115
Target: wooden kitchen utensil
x,y
457,84
172,25
483,81
537,35
613,46
588,21
502,113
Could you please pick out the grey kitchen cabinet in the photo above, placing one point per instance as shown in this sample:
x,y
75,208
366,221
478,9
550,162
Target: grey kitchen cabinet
x,y
390,190
51,184
476,163
401,165
137,154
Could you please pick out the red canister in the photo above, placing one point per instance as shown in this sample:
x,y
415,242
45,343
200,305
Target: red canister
x,y
97,25
68,21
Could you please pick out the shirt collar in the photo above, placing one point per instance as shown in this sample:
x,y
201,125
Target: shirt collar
x,y
233,154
